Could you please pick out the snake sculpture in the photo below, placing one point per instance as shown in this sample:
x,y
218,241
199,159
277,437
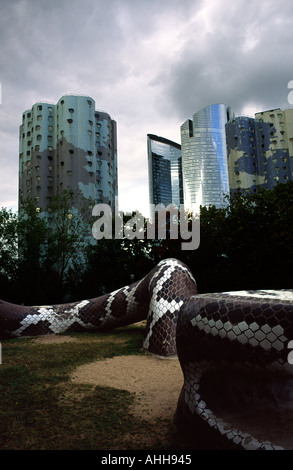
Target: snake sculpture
x,y
232,348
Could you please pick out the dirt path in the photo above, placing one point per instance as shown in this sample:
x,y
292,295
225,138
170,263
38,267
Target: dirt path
x,y
156,382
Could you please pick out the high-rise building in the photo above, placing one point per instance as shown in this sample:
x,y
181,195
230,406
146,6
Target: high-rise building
x,y
260,150
243,162
165,171
67,145
204,157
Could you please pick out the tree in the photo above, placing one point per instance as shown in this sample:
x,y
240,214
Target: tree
x,y
114,263
51,248
248,244
8,251
32,236
69,234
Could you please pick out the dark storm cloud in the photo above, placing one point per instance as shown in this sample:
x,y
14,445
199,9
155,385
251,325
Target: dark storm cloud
x,y
244,56
150,64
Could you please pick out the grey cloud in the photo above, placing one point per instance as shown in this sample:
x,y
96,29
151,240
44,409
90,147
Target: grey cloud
x,y
216,68
234,52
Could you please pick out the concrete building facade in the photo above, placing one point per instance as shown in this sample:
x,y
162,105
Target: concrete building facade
x,y
260,150
67,145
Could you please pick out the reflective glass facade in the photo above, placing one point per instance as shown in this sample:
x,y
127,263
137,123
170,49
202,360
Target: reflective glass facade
x,y
204,158
165,171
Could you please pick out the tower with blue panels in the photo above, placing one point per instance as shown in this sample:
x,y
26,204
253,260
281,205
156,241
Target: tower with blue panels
x,y
165,171
260,150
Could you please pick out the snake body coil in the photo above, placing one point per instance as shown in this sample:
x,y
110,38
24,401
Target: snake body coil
x,y
232,347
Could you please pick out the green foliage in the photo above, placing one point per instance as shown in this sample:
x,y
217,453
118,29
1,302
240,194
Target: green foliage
x,y
111,264
8,244
246,245
45,252
68,234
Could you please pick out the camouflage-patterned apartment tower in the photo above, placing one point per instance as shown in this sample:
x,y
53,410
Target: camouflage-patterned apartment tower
x,y
68,145
260,149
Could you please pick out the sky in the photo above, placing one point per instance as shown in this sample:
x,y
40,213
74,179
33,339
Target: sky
x,y
150,64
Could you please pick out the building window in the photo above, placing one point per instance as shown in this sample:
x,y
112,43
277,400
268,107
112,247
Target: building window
x,y
71,110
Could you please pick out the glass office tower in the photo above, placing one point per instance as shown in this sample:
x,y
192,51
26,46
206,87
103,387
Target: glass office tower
x,y
204,158
165,171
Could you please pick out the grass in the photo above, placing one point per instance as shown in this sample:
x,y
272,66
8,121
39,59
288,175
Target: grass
x,y
40,409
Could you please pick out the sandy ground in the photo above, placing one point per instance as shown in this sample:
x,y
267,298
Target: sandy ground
x,y
156,382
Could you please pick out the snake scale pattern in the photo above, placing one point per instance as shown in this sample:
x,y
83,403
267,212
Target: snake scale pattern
x,y
232,348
